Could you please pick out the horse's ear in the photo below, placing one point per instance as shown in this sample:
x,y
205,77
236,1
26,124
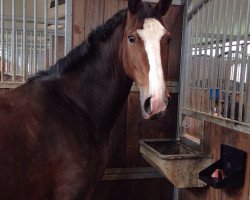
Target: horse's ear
x,y
163,6
133,6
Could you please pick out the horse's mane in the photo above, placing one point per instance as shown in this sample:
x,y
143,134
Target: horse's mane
x,y
68,62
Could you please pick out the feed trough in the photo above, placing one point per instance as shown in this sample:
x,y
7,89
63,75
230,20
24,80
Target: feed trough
x,y
179,163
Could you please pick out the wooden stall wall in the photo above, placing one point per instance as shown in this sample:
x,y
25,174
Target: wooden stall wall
x,y
214,136
128,176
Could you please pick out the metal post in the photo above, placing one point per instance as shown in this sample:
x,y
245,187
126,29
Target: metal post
x,y
50,50
24,44
56,32
236,61
205,70
229,61
45,33
13,41
40,65
247,106
7,51
17,51
210,74
215,62
22,67
68,26
188,50
243,64
222,67
2,41
199,65
194,68
35,37
30,54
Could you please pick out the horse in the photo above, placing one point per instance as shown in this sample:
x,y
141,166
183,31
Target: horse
x,y
55,128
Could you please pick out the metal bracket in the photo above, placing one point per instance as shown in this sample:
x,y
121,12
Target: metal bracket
x,y
175,2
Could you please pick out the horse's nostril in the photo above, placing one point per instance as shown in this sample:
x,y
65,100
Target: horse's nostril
x,y
147,106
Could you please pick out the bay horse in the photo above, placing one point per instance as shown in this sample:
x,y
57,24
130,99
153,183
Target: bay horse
x,y
55,129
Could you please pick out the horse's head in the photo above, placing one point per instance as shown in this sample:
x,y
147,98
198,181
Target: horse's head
x,y
145,46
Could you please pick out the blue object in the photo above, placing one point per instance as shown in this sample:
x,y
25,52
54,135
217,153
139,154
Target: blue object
x,y
211,93
217,94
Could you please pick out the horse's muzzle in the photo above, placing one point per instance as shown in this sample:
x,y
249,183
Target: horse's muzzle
x,y
154,108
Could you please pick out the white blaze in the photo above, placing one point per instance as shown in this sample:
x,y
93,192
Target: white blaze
x,y
151,35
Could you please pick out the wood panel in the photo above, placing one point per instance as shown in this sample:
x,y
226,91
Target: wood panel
x,y
110,8
94,14
214,136
159,189
173,21
78,22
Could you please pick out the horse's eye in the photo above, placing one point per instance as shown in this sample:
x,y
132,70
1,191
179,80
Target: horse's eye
x,y
131,39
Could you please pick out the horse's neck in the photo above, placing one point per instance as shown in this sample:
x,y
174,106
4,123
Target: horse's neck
x,y
102,86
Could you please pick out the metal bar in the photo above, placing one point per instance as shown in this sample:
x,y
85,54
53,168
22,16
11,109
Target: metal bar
x,y
68,26
7,51
227,36
194,68
16,61
50,50
174,2
222,67
60,32
205,71
10,85
199,65
2,41
39,66
195,9
13,41
56,32
229,60
24,43
186,29
231,124
21,56
35,37
243,64
191,64
247,106
45,32
186,85
30,55
210,107
30,20
215,63
236,61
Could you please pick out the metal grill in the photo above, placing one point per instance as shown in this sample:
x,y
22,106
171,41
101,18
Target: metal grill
x,y
30,32
216,60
